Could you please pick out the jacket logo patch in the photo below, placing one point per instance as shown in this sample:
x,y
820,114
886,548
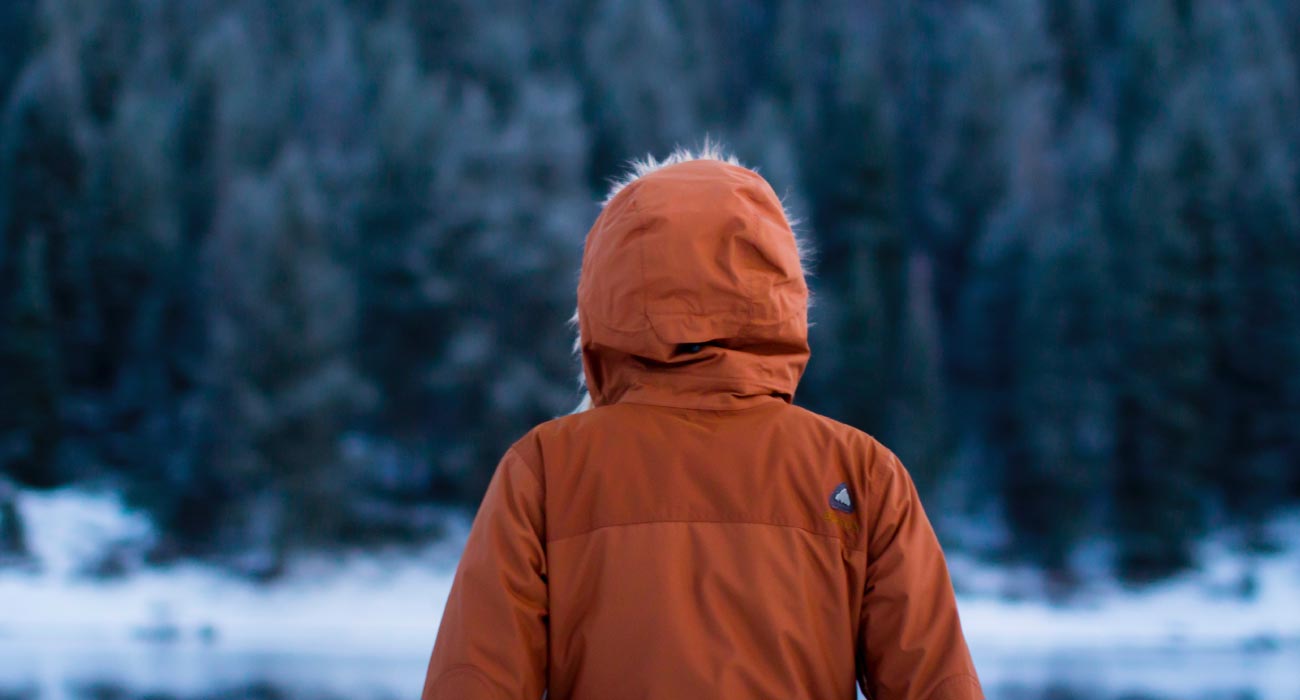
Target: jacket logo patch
x,y
841,500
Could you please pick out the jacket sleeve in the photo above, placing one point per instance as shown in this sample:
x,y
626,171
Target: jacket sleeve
x,y
492,644
910,642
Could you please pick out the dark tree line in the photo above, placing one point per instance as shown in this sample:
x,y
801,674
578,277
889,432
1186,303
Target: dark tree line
x,y
288,272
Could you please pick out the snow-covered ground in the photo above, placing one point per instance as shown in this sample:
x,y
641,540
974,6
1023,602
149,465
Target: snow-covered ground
x,y
1233,601
376,602
390,603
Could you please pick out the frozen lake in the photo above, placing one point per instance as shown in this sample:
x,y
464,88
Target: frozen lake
x,y
141,671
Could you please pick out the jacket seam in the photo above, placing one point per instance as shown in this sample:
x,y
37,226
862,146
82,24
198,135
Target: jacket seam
x,y
841,540
941,688
706,375
462,670
595,318
528,466
685,407
753,282
641,246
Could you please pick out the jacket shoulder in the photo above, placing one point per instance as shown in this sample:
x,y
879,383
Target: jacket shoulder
x,y
873,455
529,445
837,430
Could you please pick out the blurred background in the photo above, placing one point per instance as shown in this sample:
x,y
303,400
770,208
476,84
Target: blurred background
x,y
280,280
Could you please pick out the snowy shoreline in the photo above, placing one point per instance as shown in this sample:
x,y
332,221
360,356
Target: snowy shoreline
x,y
389,603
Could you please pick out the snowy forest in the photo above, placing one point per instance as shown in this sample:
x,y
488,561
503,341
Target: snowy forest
x,y
291,275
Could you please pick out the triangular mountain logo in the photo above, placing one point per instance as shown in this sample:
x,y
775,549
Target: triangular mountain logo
x,y
841,500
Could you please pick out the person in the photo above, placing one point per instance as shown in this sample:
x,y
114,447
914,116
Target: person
x,y
691,532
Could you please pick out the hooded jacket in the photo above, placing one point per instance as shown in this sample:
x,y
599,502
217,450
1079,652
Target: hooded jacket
x,y
693,533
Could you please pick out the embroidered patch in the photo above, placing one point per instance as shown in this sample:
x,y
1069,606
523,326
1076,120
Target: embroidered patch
x,y
841,500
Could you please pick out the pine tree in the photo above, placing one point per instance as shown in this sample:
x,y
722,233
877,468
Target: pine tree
x,y
29,374
1059,425
16,38
282,388
1166,440
846,126
41,170
1256,291
918,412
640,95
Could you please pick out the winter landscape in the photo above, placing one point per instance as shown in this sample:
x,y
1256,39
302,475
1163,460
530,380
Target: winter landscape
x,y
281,280
362,627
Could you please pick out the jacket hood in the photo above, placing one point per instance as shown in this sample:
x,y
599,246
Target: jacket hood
x,y
692,291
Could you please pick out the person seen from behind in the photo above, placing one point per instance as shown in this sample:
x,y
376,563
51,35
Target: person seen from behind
x,y
690,532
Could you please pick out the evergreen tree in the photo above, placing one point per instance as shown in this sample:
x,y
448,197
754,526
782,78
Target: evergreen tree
x,y
918,414
640,95
282,387
1255,287
1057,248
29,374
1166,441
41,166
16,38
856,218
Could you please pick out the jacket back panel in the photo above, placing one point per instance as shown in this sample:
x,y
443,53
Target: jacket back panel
x,y
695,553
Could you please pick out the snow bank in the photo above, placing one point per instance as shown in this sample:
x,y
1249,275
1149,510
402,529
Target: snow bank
x,y
380,602
1180,614
391,602
1232,602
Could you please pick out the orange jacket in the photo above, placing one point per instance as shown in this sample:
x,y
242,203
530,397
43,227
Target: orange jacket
x,y
695,534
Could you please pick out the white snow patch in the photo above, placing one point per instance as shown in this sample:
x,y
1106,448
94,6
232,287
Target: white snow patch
x,y
391,602
1233,602
66,530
